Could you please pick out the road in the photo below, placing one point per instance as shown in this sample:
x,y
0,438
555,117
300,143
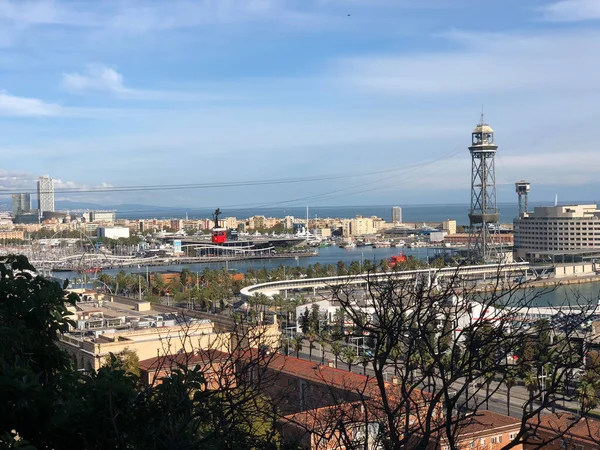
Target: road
x,y
519,395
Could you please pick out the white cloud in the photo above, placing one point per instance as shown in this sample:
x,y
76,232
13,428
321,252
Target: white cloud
x,y
10,180
572,10
137,16
483,64
26,107
97,78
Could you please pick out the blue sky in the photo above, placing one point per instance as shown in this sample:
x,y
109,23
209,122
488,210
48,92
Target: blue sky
x,y
382,92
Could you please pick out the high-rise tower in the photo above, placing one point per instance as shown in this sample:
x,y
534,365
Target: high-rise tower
x,y
21,203
396,214
484,209
45,189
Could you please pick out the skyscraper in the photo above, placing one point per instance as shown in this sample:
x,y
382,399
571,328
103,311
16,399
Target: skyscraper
x,y
397,214
21,203
45,189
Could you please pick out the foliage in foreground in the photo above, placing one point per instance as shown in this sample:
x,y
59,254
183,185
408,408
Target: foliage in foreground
x,y
48,404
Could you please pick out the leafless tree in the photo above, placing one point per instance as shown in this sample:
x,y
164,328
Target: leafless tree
x,y
450,345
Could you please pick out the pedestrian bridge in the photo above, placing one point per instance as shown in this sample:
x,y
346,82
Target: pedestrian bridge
x,y
469,272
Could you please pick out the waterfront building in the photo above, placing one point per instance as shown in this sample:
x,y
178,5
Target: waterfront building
x,y
449,226
11,234
502,239
289,222
323,233
99,334
176,224
21,203
30,217
112,232
256,222
396,214
360,226
231,223
556,230
102,216
45,191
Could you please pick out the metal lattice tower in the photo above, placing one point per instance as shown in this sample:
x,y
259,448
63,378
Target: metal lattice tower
x,y
484,209
523,187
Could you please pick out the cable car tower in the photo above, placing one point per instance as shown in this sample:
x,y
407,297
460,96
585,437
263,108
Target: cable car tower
x,y
484,213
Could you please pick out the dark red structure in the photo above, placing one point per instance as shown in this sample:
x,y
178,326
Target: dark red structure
x,y
219,235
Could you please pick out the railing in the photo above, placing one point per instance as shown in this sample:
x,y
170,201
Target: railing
x,y
374,277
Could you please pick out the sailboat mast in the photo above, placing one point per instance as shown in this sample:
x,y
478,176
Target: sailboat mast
x,y
307,221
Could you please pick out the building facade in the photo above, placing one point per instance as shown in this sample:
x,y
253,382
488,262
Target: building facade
x,y
557,229
396,214
45,191
21,203
102,216
112,232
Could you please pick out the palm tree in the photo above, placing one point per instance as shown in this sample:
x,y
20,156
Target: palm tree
x,y
531,383
297,344
489,377
323,338
510,380
312,337
350,356
336,349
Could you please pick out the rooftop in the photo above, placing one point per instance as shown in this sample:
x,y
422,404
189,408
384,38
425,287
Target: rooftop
x,y
573,427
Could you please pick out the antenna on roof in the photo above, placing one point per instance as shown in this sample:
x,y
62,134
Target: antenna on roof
x,y
556,200
481,120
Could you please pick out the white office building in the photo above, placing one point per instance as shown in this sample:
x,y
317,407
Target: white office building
x,y
102,216
112,232
396,214
45,191
557,230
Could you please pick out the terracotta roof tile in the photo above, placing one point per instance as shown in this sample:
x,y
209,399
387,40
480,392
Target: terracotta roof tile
x,y
573,427
182,358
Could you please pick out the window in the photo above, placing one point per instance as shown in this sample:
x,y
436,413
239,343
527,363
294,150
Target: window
x,y
511,436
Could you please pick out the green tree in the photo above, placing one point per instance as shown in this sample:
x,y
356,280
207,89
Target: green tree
x,y
185,277
510,380
305,321
297,344
33,311
531,383
157,284
336,349
125,360
315,318
354,268
312,337
350,356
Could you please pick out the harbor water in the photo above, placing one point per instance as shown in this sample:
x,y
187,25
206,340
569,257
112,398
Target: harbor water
x,y
574,295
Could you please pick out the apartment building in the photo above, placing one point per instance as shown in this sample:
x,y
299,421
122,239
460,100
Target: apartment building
x,y
103,327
